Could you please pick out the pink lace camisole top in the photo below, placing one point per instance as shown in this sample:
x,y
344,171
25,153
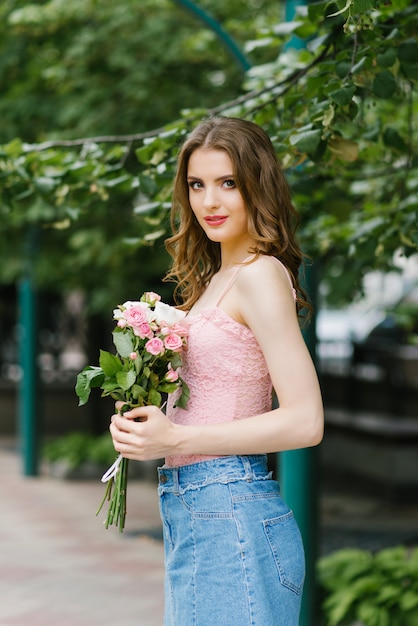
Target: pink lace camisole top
x,y
225,370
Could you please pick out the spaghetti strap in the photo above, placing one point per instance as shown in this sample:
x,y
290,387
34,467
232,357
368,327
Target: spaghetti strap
x,y
231,281
227,286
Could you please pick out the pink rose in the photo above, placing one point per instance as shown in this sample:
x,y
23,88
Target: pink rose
x,y
143,330
133,356
151,297
155,346
172,376
180,330
135,316
173,342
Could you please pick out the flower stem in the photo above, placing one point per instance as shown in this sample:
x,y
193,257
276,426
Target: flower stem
x,y
116,513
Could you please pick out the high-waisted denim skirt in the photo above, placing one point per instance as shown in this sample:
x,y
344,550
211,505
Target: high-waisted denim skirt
x,y
233,551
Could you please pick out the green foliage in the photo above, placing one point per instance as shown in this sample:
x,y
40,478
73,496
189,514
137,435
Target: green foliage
x,y
375,589
344,105
94,67
78,448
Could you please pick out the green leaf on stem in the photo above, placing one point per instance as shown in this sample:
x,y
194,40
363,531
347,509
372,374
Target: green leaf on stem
x,y
175,360
184,397
344,95
154,397
126,379
154,379
167,387
87,379
138,363
306,141
384,84
110,385
109,363
138,392
123,343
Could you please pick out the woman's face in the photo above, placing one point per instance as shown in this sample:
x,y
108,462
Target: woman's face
x,y
215,199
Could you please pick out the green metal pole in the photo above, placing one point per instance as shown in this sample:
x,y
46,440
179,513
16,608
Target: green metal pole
x,y
28,387
299,479
299,469
218,30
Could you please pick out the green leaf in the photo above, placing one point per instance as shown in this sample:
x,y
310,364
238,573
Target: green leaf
x,y
344,95
408,600
87,379
392,139
167,387
109,363
307,141
45,184
362,6
339,604
154,397
373,615
123,342
410,70
359,65
154,379
386,58
343,68
138,392
408,51
384,84
110,385
184,396
175,360
138,363
126,379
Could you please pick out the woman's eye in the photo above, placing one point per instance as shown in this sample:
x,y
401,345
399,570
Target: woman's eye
x,y
229,184
194,184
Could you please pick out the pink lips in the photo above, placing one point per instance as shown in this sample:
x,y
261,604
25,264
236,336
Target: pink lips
x,y
215,220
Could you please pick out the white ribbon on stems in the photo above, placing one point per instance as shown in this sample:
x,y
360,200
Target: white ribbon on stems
x,y
112,471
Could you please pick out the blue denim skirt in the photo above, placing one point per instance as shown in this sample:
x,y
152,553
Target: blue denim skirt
x,y
233,551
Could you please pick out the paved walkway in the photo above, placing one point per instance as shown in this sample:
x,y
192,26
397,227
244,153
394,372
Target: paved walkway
x,y
59,566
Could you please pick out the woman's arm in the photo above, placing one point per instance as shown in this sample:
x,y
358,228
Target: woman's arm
x,y
262,299
265,304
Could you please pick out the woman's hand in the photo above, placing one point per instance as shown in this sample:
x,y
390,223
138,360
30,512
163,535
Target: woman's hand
x,y
143,433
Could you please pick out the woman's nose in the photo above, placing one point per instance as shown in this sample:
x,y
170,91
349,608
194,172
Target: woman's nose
x,y
210,200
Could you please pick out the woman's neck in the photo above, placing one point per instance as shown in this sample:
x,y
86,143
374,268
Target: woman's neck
x,y
233,257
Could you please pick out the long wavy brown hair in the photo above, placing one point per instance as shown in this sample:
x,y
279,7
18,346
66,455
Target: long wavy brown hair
x,y
272,218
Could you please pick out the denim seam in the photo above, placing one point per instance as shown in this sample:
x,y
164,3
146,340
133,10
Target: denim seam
x,y
223,480
243,564
194,571
255,496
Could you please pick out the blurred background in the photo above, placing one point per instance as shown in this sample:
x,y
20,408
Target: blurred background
x,y
95,100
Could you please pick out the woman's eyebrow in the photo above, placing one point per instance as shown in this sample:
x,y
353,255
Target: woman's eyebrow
x,y
218,179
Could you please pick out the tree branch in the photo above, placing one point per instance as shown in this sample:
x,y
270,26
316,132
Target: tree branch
x,y
130,139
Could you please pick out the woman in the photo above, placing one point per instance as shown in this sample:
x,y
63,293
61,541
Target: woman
x,y
233,551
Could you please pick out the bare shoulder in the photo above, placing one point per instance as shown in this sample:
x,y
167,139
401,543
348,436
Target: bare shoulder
x,y
265,273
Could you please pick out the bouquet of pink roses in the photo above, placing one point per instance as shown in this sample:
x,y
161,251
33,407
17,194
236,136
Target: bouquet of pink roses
x,y
149,340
